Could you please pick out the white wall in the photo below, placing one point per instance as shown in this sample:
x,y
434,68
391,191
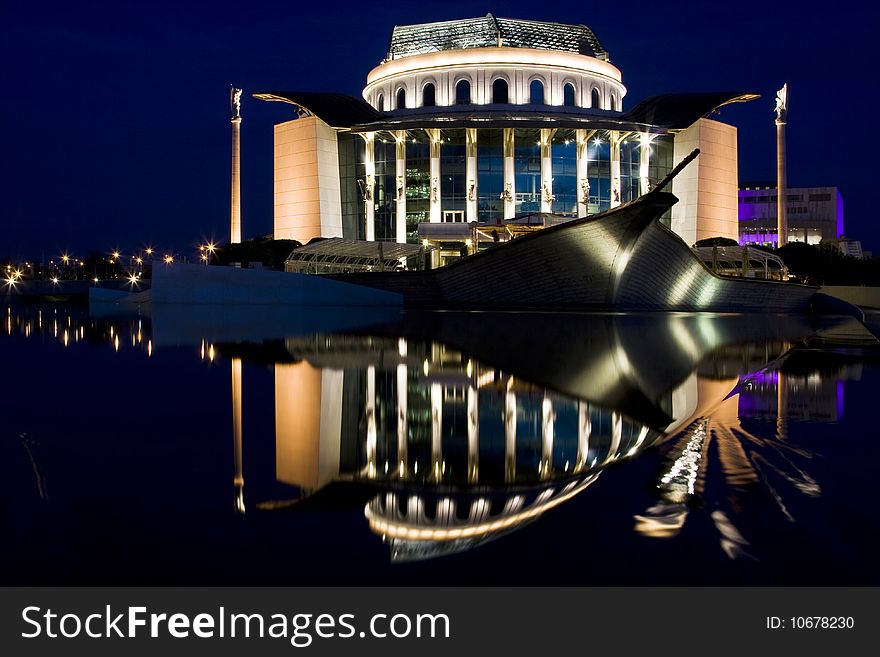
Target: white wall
x,y
482,66
707,188
307,200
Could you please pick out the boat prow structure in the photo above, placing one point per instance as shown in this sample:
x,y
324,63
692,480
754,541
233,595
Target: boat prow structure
x,y
622,259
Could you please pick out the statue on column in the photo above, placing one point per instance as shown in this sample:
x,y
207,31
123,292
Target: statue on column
x,y
782,104
235,102
400,188
472,191
507,194
367,187
585,191
546,195
435,189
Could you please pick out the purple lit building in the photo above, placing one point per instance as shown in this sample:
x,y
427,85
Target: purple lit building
x,y
814,214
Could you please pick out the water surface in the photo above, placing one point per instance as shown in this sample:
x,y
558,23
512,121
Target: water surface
x,y
332,446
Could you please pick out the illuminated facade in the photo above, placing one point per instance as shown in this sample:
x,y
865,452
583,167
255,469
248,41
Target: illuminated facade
x,y
814,214
467,125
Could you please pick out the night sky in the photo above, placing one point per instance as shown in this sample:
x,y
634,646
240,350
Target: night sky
x,y
116,122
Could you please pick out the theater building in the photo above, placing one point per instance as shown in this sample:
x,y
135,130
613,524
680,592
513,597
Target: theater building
x,y
470,130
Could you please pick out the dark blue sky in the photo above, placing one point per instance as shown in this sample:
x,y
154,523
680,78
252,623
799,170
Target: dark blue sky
x,y
115,114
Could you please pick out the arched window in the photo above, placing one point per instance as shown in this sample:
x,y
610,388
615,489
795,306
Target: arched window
x,y
380,102
499,91
568,95
463,93
536,92
401,98
428,96
611,102
595,100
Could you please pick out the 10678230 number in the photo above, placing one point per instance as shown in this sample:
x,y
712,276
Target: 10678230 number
x,y
810,623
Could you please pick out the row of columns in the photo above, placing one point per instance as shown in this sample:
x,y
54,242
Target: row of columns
x,y
508,195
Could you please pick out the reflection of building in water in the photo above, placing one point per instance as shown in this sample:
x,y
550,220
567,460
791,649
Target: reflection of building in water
x,y
238,479
466,452
815,396
748,461
425,525
308,415
386,410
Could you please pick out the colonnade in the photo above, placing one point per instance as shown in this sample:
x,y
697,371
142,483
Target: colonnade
x,y
508,196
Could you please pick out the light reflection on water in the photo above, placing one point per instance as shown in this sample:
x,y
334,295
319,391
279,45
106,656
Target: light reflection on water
x,y
452,430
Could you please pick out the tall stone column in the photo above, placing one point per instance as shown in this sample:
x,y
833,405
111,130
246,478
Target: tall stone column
x,y
235,209
509,194
369,185
400,187
583,175
781,182
471,173
435,213
546,170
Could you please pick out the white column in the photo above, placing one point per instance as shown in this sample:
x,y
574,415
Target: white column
x,y
473,434
400,187
434,136
235,211
509,175
546,170
471,173
238,479
645,140
370,185
583,175
615,138
370,413
781,186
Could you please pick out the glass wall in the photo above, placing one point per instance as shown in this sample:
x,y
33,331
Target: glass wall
x,y
385,193
351,171
418,182
453,175
564,167
527,170
660,166
599,172
490,175
630,151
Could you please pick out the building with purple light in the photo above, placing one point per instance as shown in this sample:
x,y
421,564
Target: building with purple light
x,y
815,214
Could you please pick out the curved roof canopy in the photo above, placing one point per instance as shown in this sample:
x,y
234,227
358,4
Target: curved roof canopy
x,y
655,114
488,31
